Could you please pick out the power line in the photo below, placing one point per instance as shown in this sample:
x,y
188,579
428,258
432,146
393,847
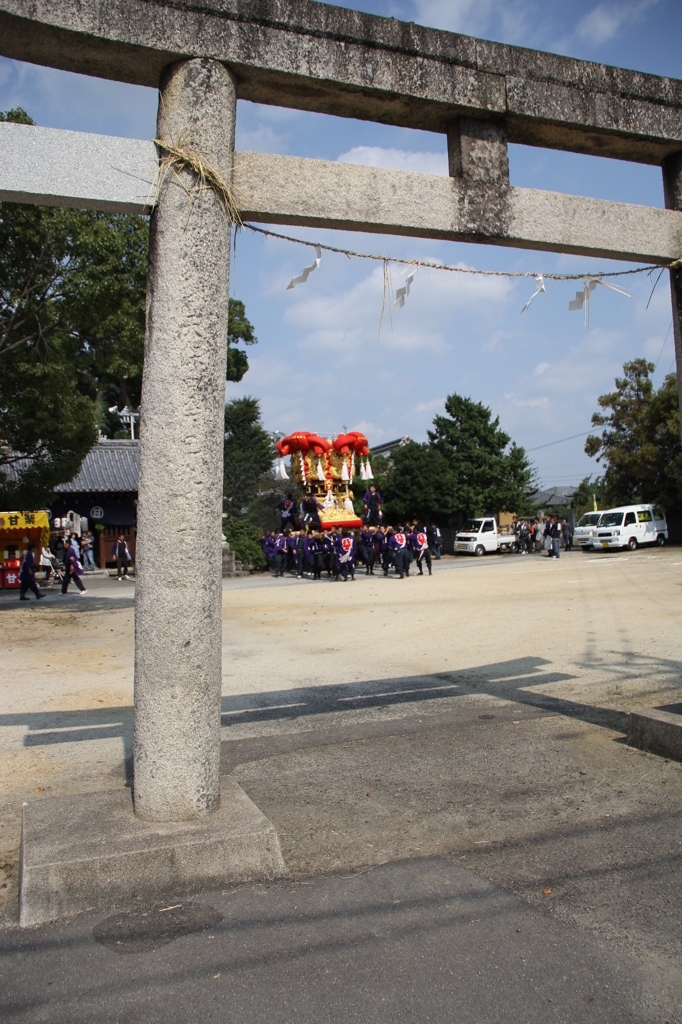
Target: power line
x,y
662,347
560,441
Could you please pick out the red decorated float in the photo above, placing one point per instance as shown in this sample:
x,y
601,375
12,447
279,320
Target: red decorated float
x,y
326,468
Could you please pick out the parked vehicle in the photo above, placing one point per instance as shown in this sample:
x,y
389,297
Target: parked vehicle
x,y
630,526
481,537
586,531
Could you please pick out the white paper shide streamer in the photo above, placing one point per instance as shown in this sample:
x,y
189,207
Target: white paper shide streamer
x,y
402,292
540,287
583,297
281,471
307,271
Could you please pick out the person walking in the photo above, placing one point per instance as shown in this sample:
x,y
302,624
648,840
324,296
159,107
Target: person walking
x,y
121,555
555,534
436,541
567,535
27,575
73,570
420,546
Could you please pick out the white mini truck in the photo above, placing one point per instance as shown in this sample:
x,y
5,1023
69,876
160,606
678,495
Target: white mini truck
x,y
481,537
631,525
585,533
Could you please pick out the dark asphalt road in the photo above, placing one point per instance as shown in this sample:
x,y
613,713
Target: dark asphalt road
x,y
413,941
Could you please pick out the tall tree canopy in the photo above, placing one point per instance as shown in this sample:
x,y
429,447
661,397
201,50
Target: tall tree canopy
x,y
248,451
465,467
72,319
639,444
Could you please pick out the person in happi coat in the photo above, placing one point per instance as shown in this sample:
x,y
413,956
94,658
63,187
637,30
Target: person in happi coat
x,y
386,552
367,548
397,543
281,548
27,575
371,504
345,555
292,549
330,553
408,556
310,512
288,511
316,549
268,544
419,543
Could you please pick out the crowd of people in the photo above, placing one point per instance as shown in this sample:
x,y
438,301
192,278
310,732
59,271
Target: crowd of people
x,y
65,561
337,552
534,535
301,547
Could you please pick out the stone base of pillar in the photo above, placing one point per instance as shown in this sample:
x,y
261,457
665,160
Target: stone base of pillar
x,y
231,567
90,852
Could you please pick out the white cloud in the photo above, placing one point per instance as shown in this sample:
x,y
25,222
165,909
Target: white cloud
x,y
540,369
605,20
505,19
396,159
435,405
348,320
261,139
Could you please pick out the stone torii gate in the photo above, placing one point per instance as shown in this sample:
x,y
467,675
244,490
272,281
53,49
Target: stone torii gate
x,y
309,56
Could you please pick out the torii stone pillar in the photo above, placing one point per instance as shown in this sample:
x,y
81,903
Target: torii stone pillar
x,y
178,635
672,188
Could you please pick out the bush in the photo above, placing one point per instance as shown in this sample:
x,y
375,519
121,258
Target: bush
x,y
244,539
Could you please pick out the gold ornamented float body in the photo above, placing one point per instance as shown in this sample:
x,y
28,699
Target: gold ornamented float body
x,y
326,469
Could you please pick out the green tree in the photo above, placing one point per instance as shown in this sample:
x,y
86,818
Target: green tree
x,y
589,489
640,440
248,452
418,482
72,321
239,329
244,539
483,476
47,423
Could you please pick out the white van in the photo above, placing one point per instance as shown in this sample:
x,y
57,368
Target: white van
x,y
631,525
586,531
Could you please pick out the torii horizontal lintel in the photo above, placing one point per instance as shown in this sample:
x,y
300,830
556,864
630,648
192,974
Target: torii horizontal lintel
x,y
313,56
99,172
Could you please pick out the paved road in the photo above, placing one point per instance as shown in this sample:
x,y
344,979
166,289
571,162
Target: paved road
x,y
411,942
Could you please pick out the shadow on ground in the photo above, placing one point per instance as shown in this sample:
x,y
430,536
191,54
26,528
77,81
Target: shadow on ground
x,y
517,681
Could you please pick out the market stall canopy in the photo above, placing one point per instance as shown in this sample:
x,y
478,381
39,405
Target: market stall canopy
x,y
17,525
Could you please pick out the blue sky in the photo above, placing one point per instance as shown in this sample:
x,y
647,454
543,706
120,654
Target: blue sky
x,y
321,363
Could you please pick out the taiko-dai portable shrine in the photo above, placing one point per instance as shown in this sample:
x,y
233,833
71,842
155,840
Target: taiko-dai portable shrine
x,y
326,468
